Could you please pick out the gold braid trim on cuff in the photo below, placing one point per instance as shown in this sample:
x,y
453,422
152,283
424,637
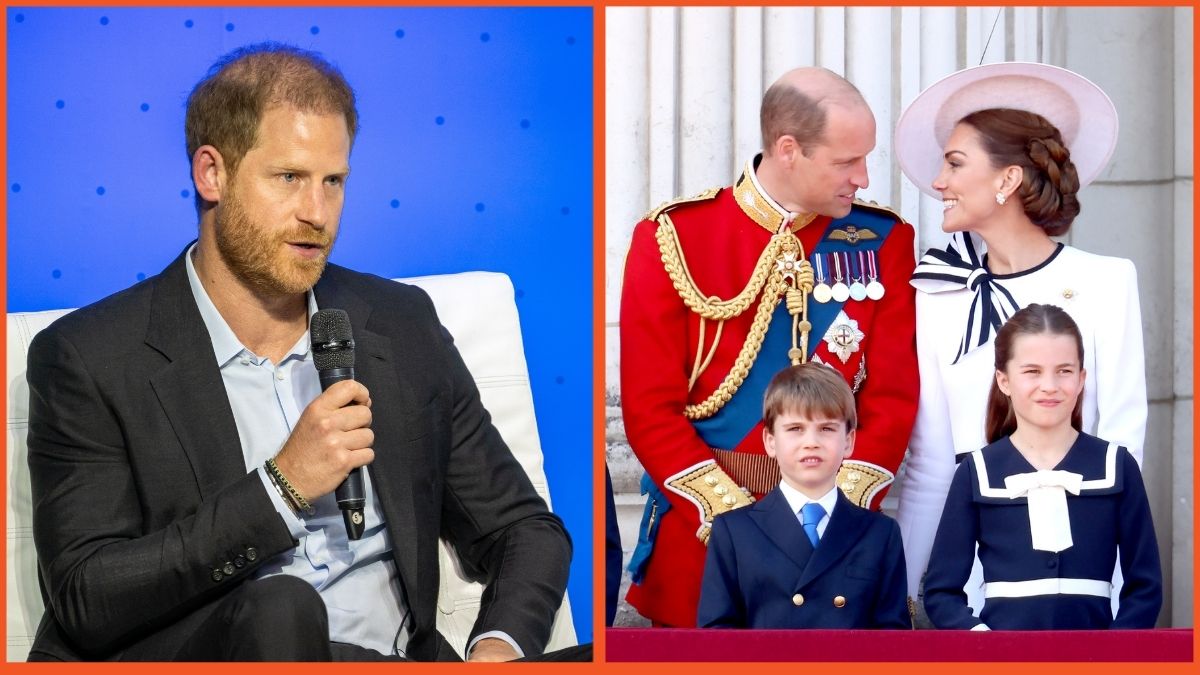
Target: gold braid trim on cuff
x,y
713,491
860,481
768,282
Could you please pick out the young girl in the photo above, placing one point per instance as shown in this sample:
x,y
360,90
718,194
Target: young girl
x,y
1007,147
1048,505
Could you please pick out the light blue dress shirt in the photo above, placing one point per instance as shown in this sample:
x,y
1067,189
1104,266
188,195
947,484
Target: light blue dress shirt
x,y
357,580
796,501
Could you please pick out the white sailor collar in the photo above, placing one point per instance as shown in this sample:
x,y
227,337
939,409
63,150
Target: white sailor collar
x,y
1098,462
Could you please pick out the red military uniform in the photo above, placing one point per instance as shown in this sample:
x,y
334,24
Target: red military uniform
x,y
686,258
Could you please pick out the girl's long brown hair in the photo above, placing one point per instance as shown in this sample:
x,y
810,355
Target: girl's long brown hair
x,y
1033,320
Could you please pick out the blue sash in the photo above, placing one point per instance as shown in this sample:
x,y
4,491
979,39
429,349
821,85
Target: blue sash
x,y
729,426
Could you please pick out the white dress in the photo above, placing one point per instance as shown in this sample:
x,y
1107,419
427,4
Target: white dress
x,y
1100,293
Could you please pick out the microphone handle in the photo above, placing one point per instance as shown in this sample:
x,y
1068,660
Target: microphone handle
x,y
351,500
350,494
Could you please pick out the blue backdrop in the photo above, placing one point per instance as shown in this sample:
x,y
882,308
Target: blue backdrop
x,y
475,152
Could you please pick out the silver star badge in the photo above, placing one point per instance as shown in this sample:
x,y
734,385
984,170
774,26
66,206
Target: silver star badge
x,y
843,336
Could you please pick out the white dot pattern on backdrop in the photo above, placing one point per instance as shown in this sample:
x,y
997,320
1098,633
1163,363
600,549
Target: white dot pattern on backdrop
x,y
475,152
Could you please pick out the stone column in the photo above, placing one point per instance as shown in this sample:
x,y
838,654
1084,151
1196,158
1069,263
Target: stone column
x,y
1131,211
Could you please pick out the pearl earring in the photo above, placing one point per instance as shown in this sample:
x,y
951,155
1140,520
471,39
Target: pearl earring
x,y
1000,198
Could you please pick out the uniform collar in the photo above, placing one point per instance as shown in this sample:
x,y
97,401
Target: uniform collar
x,y
754,201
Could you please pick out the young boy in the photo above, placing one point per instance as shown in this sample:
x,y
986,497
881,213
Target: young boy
x,y
804,556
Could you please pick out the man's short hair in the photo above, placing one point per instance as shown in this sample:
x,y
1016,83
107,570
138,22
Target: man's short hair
x,y
789,111
225,108
812,390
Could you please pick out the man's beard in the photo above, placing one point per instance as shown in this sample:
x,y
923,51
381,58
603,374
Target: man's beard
x,y
261,259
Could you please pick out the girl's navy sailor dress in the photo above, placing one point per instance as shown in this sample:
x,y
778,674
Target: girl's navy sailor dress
x,y
1029,589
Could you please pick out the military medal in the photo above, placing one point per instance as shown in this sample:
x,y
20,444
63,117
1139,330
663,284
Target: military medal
x,y
843,337
821,292
841,292
858,291
874,287
787,266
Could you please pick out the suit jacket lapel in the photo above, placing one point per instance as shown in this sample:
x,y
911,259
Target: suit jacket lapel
x,y
189,387
193,398
774,517
841,534
392,475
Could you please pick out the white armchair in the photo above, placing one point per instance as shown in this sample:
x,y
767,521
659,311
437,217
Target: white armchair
x,y
479,311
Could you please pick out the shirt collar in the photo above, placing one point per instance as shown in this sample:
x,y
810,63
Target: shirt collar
x,y
754,201
224,343
796,500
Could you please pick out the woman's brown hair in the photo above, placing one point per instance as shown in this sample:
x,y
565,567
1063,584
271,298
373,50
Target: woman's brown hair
x,y
1033,320
1028,140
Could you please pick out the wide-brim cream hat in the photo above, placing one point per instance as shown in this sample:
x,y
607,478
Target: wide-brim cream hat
x,y
1083,113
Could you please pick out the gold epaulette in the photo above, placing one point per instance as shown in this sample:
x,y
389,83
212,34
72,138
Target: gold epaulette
x,y
667,206
712,491
861,481
880,208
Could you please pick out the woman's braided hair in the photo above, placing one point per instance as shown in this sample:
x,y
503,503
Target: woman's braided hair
x,y
1028,140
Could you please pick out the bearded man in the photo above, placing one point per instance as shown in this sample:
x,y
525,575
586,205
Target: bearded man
x,y
183,455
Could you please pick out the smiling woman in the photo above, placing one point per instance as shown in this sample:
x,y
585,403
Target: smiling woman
x,y
1007,146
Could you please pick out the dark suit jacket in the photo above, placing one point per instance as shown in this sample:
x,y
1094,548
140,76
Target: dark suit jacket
x,y
140,490
762,572
612,552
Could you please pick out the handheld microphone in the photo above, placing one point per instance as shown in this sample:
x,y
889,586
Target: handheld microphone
x,y
333,354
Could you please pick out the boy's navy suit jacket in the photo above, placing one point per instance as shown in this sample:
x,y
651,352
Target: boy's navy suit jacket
x,y
762,572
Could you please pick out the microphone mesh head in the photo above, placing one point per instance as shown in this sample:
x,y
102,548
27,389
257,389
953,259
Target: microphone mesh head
x,y
332,339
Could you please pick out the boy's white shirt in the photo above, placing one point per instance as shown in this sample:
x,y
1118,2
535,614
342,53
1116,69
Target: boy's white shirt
x,y
796,501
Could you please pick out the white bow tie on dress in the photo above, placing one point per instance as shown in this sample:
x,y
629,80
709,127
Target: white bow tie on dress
x,y
1049,522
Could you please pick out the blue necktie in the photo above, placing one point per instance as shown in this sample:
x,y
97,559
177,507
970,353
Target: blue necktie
x,y
810,515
